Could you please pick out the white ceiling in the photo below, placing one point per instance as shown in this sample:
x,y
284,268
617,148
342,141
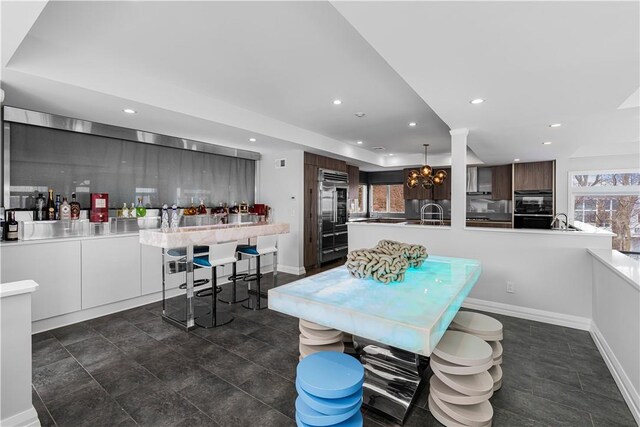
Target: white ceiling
x,y
284,61
535,63
226,71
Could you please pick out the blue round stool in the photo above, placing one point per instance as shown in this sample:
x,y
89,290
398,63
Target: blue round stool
x,y
329,386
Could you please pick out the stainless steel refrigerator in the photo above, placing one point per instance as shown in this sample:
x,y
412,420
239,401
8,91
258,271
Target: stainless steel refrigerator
x,y
332,216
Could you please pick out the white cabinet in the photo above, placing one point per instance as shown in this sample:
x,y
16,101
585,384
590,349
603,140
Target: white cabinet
x,y
110,270
54,266
151,269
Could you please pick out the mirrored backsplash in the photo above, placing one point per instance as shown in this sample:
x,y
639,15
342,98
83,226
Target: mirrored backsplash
x,y
43,158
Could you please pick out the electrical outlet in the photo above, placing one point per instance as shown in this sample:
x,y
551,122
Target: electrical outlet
x,y
511,287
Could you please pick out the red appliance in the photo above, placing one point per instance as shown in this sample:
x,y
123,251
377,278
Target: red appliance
x,y
260,209
99,207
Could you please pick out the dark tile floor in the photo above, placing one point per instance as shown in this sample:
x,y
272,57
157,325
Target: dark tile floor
x,y
131,368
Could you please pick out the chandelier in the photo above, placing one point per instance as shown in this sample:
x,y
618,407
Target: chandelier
x,y
425,176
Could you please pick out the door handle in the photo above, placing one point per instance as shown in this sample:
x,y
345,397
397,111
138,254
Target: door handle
x,y
335,206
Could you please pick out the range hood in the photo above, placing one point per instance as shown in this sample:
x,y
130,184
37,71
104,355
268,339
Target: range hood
x,y
478,180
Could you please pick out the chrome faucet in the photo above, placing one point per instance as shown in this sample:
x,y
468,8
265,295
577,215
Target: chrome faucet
x,y
566,221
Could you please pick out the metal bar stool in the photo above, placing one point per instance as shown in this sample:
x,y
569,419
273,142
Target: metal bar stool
x,y
176,260
234,280
264,245
220,254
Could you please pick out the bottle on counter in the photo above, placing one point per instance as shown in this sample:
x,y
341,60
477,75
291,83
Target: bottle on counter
x,y
11,227
57,206
51,207
202,209
1,224
164,225
140,209
132,211
125,211
40,213
175,220
75,207
65,210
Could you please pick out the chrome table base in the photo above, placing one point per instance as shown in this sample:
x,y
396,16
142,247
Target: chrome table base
x,y
393,377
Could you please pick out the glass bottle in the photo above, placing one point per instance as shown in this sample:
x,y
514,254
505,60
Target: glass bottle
x,y
11,226
125,211
57,207
1,224
51,207
202,209
40,213
140,209
65,210
164,225
132,211
75,207
175,220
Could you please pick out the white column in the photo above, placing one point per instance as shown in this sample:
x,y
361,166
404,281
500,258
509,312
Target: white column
x,y
458,177
16,408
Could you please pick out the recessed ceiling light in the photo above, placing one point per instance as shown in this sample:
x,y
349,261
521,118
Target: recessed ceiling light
x,y
555,125
252,140
391,154
337,102
359,142
546,143
360,114
412,124
477,101
129,111
516,160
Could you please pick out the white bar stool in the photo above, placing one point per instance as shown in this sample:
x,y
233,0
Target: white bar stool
x,y
220,254
264,245
461,384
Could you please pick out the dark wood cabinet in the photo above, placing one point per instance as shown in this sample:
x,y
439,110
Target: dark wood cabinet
x,y
354,181
501,188
533,176
443,192
312,164
489,224
415,193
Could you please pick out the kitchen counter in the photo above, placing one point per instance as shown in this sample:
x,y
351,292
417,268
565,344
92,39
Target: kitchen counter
x,y
7,244
590,232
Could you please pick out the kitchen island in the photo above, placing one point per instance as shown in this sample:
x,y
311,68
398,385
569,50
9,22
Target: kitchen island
x,y
189,237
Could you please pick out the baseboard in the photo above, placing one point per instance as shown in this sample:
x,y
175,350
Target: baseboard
x,y
629,393
28,418
543,316
291,269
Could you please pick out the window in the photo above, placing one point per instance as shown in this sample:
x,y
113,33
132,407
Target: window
x,y
609,200
387,198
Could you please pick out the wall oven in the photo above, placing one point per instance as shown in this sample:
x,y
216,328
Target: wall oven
x,y
533,209
332,216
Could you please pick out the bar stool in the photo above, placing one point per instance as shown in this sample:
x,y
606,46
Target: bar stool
x,y
234,280
461,385
488,329
220,254
329,387
265,245
177,259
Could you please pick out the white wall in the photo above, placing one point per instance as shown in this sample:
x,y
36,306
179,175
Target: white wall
x,y
551,271
564,166
616,329
283,190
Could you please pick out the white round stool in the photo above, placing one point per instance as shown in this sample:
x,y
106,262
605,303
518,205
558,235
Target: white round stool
x,y
478,324
315,338
461,384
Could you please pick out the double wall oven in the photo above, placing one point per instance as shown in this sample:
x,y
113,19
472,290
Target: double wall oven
x,y
533,209
332,216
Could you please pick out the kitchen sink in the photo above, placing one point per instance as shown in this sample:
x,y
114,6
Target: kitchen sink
x,y
569,228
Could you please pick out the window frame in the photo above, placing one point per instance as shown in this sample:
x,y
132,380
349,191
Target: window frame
x,y
601,190
388,201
